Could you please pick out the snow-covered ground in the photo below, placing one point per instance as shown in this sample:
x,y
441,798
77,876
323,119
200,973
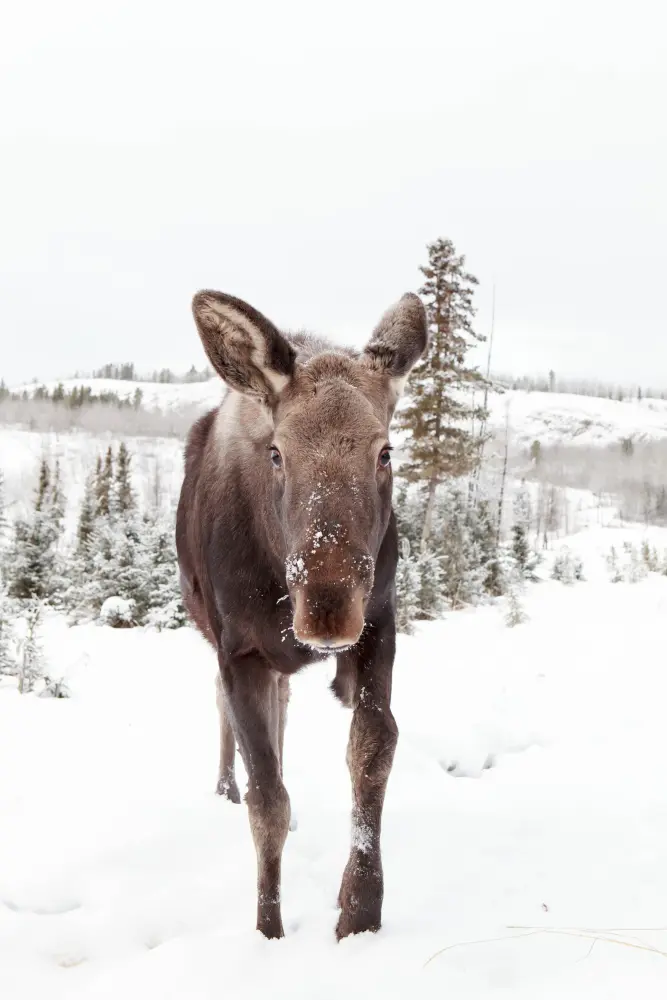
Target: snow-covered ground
x,y
524,831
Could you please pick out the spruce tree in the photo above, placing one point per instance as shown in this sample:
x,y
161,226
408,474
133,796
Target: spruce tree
x,y
32,562
485,538
124,495
436,416
431,577
31,657
104,483
520,529
56,500
158,594
8,664
86,522
407,589
3,511
462,570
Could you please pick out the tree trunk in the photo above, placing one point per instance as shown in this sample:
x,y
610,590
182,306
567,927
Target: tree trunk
x,y
428,516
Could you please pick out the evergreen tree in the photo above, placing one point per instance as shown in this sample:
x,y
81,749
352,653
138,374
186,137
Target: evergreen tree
x,y
103,484
32,566
461,558
515,613
158,594
407,589
42,485
521,552
3,513
86,521
436,414
124,495
430,574
56,500
409,511
484,534
31,659
8,664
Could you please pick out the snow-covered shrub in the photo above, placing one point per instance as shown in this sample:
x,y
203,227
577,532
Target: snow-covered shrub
x,y
613,566
634,563
117,612
567,567
515,613
171,615
51,687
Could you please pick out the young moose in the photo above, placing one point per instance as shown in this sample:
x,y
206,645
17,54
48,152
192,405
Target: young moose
x,y
287,550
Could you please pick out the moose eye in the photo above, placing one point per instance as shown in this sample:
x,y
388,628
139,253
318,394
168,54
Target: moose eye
x,y
276,458
384,458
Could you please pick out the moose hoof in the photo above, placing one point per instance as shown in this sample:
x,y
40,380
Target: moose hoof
x,y
360,902
229,790
356,922
269,923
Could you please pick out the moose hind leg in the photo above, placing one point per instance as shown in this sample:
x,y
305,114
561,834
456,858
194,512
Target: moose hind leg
x,y
226,774
251,694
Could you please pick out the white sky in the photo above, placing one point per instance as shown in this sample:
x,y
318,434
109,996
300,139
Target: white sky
x,y
301,155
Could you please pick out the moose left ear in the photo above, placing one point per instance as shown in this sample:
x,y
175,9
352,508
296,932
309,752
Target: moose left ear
x,y
398,341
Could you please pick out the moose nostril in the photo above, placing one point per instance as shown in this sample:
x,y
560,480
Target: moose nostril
x,y
328,618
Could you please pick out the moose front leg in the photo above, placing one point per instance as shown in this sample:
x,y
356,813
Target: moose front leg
x,y
370,754
251,697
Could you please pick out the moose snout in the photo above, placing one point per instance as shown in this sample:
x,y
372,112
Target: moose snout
x,y
328,617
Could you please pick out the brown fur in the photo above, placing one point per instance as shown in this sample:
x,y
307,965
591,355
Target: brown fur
x,y
280,565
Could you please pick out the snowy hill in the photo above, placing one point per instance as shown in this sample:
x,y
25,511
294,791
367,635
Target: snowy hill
x,y
154,395
551,418
523,837
563,418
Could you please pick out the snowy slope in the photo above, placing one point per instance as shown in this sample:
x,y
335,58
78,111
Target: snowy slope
x,y
122,875
552,418
561,418
162,396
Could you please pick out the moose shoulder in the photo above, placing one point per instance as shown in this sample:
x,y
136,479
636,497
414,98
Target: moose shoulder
x,y
287,552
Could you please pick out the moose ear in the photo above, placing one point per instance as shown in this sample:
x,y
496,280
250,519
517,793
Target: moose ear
x,y
245,349
398,341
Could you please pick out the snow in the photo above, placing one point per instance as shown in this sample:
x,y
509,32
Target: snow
x,y
550,417
115,610
524,829
563,418
163,396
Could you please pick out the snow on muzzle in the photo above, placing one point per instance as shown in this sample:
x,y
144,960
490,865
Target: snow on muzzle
x,y
329,594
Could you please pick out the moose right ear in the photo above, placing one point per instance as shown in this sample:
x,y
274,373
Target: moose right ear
x,y
398,341
244,347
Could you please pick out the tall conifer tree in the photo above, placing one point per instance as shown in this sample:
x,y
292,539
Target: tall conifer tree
x,y
437,415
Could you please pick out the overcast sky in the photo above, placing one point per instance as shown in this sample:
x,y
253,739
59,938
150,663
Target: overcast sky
x,y
301,155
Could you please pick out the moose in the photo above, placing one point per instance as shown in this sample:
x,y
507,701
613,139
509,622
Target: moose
x,y
287,550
